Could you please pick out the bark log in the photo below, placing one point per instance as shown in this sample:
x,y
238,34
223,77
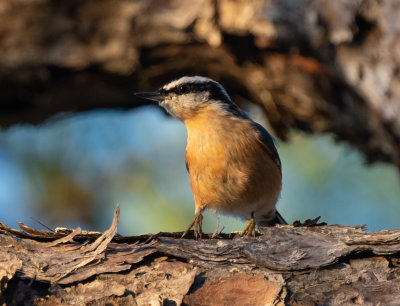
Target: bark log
x,y
320,66
284,265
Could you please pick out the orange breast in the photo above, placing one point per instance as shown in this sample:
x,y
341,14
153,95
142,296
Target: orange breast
x,y
206,160
227,165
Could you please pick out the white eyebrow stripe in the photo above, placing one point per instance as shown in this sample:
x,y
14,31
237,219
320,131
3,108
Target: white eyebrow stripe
x,y
193,80
186,79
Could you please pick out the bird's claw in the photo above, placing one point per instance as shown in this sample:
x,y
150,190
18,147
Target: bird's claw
x,y
196,225
249,230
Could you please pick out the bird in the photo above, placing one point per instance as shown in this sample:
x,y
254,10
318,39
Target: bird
x,y
234,167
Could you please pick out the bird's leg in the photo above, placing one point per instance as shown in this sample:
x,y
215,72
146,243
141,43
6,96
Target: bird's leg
x,y
216,229
196,224
198,230
249,230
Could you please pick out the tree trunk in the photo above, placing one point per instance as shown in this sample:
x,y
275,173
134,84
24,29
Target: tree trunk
x,y
300,264
319,66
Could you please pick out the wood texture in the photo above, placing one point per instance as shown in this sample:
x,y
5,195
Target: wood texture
x,y
284,265
319,66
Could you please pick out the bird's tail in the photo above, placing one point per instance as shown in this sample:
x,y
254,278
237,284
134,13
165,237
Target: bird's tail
x,y
279,219
271,220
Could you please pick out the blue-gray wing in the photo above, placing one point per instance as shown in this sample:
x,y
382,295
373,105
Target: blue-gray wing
x,y
268,143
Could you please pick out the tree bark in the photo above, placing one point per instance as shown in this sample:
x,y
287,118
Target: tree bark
x,y
319,66
296,264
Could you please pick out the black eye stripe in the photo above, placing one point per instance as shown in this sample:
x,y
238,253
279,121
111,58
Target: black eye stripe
x,y
216,93
187,88
183,89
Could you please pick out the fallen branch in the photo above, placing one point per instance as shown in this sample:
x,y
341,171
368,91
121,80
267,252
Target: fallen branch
x,y
285,264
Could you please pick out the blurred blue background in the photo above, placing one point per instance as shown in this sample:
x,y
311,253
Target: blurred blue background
x,y
73,171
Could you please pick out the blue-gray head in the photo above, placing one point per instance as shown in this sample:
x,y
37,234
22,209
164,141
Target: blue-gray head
x,y
185,96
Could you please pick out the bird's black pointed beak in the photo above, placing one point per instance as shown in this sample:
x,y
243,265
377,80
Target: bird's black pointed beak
x,y
151,96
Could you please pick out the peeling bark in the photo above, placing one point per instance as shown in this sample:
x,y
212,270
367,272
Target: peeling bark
x,y
319,66
284,265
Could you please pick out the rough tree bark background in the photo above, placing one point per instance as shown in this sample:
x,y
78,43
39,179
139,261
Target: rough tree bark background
x,y
319,66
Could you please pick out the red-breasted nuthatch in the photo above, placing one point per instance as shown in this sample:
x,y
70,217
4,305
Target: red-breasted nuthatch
x,y
234,167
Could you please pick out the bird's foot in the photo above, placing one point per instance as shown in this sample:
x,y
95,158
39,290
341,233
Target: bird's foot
x,y
196,225
217,230
250,229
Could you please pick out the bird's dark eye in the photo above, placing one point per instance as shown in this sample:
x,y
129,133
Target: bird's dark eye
x,y
183,89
